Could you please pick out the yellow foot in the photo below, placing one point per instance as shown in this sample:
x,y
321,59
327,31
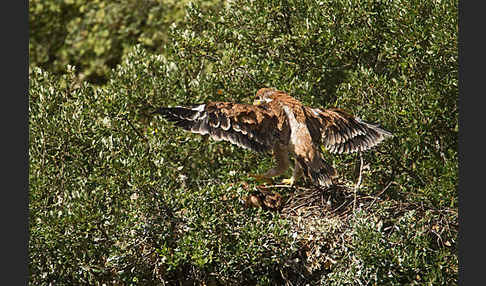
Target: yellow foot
x,y
289,181
261,178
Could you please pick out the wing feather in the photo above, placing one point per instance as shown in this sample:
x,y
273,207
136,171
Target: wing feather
x,y
341,132
248,126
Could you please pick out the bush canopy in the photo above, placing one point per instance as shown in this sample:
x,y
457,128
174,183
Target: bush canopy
x,y
117,197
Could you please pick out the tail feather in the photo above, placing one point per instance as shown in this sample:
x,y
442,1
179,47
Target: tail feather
x,y
318,171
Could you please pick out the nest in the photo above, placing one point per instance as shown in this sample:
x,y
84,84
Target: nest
x,y
320,219
335,201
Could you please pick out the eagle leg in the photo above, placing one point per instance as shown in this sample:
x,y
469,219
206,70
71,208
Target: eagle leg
x,y
282,158
296,174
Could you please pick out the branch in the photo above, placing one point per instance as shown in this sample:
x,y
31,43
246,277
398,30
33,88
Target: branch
x,y
358,183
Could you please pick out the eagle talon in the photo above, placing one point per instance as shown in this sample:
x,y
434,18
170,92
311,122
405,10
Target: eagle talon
x,y
289,181
261,178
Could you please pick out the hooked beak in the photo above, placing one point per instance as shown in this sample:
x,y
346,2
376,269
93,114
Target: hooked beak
x,y
257,102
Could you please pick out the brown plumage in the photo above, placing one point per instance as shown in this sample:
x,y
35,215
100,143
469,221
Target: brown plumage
x,y
278,122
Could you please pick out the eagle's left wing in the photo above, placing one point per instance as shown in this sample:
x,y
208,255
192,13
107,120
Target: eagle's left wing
x,y
249,126
341,132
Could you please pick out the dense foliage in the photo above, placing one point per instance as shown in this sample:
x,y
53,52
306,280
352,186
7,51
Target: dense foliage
x,y
119,197
94,35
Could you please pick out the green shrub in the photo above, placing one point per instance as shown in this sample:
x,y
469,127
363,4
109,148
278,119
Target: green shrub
x,y
398,251
94,35
116,197
107,205
392,62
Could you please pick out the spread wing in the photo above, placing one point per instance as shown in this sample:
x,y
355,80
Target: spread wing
x,y
249,126
341,132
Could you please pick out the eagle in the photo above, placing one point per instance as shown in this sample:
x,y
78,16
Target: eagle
x,y
277,122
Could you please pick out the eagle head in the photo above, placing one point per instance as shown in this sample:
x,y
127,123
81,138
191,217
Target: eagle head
x,y
265,95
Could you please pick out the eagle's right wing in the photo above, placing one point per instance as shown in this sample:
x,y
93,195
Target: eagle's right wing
x,y
249,126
